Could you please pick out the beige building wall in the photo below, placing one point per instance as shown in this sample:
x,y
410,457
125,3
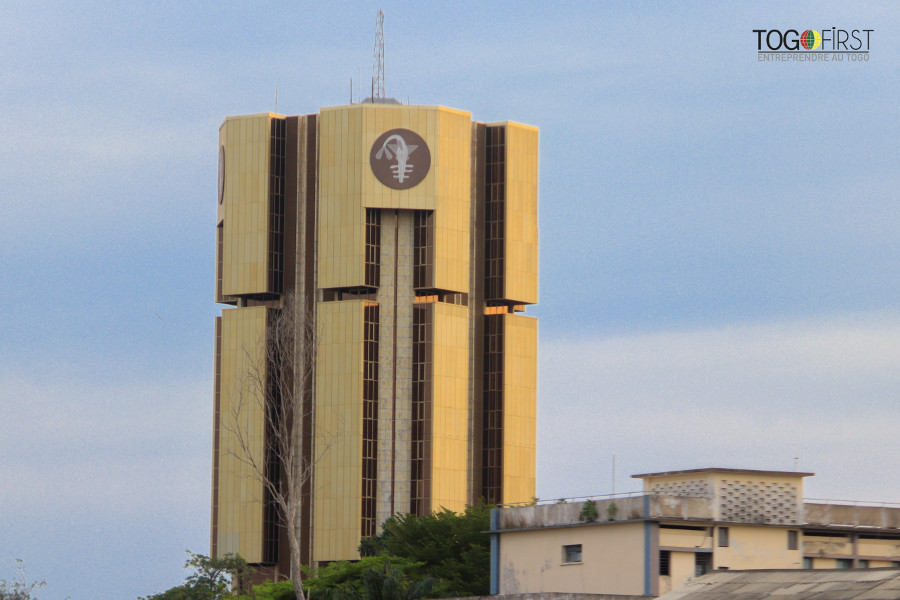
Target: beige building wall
x,y
879,547
245,205
337,484
685,538
450,406
681,568
612,560
521,242
240,494
520,408
752,547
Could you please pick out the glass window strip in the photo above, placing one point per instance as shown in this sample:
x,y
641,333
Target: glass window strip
x,y
370,421
276,207
492,410
420,451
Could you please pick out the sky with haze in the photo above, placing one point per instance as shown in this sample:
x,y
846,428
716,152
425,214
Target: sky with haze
x,y
720,244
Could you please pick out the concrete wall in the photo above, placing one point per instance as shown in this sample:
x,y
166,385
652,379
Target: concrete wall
x,y
625,509
752,547
612,560
848,514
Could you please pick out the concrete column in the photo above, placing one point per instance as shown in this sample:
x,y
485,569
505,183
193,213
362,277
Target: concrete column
x,y
395,298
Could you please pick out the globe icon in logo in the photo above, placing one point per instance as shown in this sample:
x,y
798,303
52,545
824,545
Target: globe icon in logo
x,y
810,39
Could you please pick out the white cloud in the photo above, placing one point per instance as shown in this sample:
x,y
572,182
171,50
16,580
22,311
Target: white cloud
x,y
751,396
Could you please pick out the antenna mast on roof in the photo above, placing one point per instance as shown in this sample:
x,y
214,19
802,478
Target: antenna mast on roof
x,y
378,71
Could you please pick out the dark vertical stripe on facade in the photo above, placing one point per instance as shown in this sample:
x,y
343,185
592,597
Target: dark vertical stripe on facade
x,y
370,420
492,414
373,247
275,376
276,207
293,205
220,268
308,201
292,202
422,408
423,249
495,211
476,313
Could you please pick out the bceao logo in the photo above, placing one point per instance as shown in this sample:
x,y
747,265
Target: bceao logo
x,y
813,45
400,159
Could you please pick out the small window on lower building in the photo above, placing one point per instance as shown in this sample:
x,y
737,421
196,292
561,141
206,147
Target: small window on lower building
x,y
723,537
665,558
572,553
807,562
793,539
863,563
702,563
896,564
843,563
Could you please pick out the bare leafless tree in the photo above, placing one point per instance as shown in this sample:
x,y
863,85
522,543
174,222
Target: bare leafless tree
x,y
279,383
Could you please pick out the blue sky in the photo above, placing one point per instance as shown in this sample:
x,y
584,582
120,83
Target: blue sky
x,y
719,244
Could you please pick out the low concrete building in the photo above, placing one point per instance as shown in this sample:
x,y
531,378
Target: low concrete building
x,y
682,525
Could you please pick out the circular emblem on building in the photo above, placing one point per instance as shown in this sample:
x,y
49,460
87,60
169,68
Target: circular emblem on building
x,y
400,159
221,173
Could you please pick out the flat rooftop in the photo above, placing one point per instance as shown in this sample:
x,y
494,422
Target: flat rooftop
x,y
722,470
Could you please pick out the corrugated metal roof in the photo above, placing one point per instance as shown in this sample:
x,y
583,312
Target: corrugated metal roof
x,y
792,584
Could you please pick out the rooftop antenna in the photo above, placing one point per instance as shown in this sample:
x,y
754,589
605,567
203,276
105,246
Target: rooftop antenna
x,y
378,71
614,475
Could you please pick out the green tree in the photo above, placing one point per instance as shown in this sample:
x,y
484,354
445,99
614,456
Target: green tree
x,y
211,579
19,589
588,511
345,578
271,590
373,578
453,548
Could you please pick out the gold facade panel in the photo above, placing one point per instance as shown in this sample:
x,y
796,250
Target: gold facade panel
x,y
521,213
451,227
240,508
520,408
245,204
347,187
341,227
337,485
450,429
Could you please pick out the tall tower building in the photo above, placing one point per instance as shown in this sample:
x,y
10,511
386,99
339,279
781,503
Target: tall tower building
x,y
408,235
